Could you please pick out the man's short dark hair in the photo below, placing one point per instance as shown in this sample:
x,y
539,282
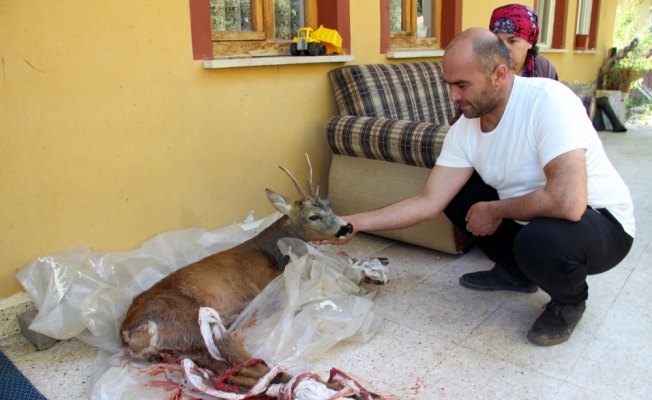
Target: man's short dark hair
x,y
490,53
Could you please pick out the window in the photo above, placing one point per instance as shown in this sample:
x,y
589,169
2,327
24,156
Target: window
x,y
246,28
257,27
414,23
553,15
546,13
438,34
586,27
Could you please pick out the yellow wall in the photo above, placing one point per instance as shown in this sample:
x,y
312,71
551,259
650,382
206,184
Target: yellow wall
x,y
110,133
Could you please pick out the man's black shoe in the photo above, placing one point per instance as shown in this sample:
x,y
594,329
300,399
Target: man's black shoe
x,y
496,279
556,323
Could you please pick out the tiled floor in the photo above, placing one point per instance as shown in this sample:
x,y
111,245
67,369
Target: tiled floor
x,y
440,340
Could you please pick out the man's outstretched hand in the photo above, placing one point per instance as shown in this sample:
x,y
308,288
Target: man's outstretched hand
x,y
336,242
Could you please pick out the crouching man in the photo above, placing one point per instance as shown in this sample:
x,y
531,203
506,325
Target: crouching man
x,y
524,175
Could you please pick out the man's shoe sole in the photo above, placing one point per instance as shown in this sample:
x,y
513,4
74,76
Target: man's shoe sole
x,y
547,342
524,289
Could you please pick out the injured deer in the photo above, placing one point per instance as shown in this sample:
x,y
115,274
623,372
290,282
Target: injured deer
x,y
163,320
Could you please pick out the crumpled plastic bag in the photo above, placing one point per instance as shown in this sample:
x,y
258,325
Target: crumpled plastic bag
x,y
316,303
302,313
375,270
118,377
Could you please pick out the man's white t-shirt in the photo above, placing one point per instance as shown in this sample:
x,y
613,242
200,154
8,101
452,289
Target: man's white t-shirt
x,y
543,119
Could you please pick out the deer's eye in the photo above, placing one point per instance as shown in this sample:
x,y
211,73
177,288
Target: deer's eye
x,y
314,217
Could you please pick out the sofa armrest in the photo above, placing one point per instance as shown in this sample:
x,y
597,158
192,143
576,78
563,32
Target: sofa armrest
x,y
399,141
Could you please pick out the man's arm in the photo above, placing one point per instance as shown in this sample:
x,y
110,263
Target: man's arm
x,y
442,185
564,196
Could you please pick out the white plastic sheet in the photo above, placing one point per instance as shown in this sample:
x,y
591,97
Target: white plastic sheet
x,y
313,305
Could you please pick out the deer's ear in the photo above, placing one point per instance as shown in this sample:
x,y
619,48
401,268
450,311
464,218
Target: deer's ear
x,y
281,203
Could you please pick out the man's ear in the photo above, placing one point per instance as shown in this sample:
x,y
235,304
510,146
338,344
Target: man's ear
x,y
499,75
281,203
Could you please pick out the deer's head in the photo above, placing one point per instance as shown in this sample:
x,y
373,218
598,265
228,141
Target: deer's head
x,y
310,217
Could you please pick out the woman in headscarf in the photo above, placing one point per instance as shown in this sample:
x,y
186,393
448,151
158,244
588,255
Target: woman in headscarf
x,y
518,27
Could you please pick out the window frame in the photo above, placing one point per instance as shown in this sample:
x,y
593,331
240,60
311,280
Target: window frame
x,y
559,24
260,41
547,19
595,24
258,25
407,38
448,10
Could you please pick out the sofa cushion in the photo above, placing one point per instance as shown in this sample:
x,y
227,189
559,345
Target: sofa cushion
x,y
413,91
399,141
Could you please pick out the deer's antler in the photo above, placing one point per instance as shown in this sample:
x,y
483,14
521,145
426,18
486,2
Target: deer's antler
x,y
313,191
299,188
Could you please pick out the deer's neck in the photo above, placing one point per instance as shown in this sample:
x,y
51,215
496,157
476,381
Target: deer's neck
x,y
266,241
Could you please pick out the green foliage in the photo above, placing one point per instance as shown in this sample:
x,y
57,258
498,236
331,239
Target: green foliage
x,y
641,102
626,29
395,11
620,77
625,74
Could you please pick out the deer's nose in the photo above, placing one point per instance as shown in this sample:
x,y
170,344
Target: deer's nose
x,y
344,231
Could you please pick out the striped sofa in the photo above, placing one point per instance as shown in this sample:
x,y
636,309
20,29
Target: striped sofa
x,y
393,121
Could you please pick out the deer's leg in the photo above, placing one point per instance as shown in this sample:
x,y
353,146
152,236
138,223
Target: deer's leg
x,y
231,350
234,353
206,361
245,378
242,381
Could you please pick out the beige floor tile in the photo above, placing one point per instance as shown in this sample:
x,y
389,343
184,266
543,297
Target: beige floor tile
x,y
441,307
617,360
467,374
571,392
623,367
410,265
364,245
395,361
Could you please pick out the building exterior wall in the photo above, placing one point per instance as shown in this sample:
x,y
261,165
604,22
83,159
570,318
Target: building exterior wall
x,y
110,133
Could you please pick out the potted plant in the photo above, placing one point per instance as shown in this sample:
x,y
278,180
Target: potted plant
x,y
620,77
617,75
622,69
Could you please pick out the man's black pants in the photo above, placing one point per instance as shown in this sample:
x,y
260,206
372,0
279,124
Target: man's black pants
x,y
555,254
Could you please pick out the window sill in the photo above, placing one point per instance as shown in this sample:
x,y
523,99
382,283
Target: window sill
x,y
553,50
586,51
276,60
415,53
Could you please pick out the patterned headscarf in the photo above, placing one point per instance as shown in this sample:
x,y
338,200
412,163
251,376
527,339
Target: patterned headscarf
x,y
521,21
